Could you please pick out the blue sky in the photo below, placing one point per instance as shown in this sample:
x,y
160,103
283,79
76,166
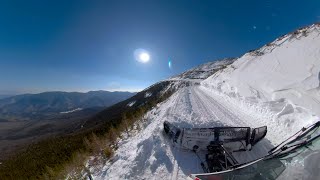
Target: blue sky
x,y
89,45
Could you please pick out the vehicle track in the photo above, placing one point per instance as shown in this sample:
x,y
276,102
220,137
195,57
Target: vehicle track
x,y
227,117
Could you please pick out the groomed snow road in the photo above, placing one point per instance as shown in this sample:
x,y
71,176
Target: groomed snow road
x,y
150,154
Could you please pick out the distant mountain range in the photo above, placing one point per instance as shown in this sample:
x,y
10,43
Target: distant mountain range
x,y
37,106
2,96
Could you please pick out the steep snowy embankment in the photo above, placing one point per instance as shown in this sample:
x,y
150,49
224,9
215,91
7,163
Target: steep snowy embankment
x,y
280,81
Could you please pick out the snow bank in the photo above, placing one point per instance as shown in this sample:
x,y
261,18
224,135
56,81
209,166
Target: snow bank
x,y
144,155
281,80
148,94
71,111
131,103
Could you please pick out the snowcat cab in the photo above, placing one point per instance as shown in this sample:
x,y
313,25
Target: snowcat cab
x,y
217,142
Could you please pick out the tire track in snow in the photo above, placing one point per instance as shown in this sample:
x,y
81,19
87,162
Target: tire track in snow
x,y
205,115
223,115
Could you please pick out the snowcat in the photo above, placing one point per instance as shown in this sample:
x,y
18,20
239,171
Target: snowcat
x,y
219,143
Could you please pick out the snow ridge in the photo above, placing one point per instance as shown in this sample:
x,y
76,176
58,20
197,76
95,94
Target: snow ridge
x,y
203,71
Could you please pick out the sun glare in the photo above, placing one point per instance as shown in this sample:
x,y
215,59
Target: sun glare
x,y
142,55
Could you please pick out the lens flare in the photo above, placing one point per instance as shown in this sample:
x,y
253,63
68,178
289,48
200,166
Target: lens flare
x,y
169,64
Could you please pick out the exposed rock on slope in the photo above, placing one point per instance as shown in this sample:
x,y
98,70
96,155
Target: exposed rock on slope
x,y
204,71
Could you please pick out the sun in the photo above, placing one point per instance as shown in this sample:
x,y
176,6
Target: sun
x,y
142,55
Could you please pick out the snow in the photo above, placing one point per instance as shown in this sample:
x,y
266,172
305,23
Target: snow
x,y
131,103
148,94
277,85
71,111
283,83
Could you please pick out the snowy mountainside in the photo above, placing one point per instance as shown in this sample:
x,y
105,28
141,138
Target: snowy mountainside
x,y
282,79
276,85
203,71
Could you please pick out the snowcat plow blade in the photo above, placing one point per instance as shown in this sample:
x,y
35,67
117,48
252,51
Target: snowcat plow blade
x,y
203,136
219,143
231,137
258,134
172,131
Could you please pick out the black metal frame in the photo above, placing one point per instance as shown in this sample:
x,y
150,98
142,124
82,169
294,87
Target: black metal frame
x,y
217,131
218,158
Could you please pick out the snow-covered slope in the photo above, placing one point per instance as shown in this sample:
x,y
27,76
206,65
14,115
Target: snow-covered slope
x,y
281,80
203,71
276,85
